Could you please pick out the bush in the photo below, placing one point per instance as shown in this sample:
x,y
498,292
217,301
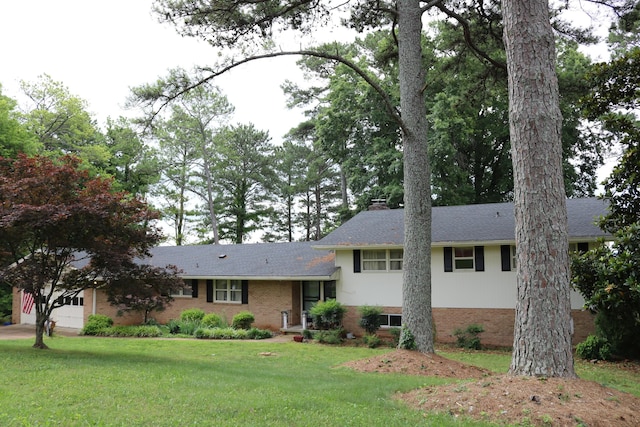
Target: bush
x,y
370,318
130,331
95,324
231,333
395,336
258,334
188,327
594,347
307,334
406,340
192,315
333,336
243,320
372,341
212,320
174,326
468,338
328,314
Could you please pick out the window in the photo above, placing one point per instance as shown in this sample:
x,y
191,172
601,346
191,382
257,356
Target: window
x,y
390,320
463,258
382,260
185,291
228,291
79,301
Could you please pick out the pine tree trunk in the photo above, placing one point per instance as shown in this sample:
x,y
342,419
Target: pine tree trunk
x,y
416,289
542,336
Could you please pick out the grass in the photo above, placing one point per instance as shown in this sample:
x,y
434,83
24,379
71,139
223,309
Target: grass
x,y
88,381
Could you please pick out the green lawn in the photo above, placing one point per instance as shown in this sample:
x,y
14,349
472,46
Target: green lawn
x,y
169,382
89,381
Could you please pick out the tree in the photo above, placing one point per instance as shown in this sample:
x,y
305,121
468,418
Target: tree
x,y
66,232
144,289
542,336
59,119
132,163
243,173
14,137
243,23
188,154
607,277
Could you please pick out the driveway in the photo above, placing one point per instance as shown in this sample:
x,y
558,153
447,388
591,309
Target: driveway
x,y
13,332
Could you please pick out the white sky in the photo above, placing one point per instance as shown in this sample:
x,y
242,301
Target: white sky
x,y
99,49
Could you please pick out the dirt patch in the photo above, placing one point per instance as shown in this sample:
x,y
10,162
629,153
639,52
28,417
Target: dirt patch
x,y
505,399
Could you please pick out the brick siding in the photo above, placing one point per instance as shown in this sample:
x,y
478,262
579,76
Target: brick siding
x,y
497,323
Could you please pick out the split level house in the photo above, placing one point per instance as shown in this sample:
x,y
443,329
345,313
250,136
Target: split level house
x,y
360,263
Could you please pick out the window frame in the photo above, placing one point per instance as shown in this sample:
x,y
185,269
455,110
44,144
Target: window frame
x,y
181,293
464,258
228,290
387,324
389,261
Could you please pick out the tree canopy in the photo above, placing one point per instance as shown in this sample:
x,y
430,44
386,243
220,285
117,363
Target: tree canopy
x,y
64,232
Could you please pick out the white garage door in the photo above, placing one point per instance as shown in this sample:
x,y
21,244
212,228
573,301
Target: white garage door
x,y
70,315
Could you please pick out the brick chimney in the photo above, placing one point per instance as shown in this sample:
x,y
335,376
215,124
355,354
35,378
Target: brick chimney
x,y
378,205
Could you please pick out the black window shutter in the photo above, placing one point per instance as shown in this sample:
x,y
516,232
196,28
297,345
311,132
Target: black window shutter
x,y
479,258
209,290
505,257
194,288
448,259
245,292
583,247
356,261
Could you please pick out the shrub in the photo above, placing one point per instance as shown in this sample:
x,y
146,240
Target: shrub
x,y
372,341
188,327
594,347
468,338
96,323
174,326
130,331
307,334
333,336
258,334
328,314
212,320
395,335
243,320
192,315
370,318
406,340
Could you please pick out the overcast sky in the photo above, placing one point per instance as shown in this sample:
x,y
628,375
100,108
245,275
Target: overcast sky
x,y
99,49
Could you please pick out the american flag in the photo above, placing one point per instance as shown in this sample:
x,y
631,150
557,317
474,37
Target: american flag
x,y
27,302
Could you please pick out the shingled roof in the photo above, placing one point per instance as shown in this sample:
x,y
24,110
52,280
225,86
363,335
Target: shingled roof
x,y
275,261
491,222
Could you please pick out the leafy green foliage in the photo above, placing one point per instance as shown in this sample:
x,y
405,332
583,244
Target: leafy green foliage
x,y
594,347
192,314
406,341
370,318
243,320
329,336
96,323
469,337
372,341
212,320
328,314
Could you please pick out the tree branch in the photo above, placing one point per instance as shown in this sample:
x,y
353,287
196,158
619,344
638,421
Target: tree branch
x,y
166,99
